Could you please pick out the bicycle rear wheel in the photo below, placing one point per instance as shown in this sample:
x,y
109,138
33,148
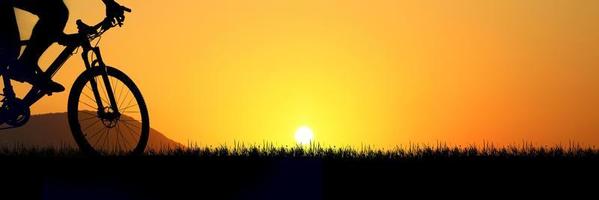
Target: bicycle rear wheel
x,y
103,131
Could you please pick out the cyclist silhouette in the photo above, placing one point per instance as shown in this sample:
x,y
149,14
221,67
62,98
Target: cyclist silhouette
x,y
107,113
53,16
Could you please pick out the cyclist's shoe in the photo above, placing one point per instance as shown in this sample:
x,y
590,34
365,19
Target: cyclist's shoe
x,y
46,84
31,76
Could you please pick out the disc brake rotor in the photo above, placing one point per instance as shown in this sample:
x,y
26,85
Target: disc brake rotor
x,y
109,118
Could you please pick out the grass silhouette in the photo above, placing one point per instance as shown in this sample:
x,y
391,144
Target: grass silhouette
x,y
412,152
308,172
317,151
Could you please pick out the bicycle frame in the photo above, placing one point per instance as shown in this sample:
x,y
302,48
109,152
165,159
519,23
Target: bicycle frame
x,y
35,94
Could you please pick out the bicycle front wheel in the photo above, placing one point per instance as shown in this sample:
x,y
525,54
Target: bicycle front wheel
x,y
102,130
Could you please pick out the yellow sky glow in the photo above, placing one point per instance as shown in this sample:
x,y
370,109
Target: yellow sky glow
x,y
380,72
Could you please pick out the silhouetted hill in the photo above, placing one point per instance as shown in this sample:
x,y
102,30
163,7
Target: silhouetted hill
x,y
52,130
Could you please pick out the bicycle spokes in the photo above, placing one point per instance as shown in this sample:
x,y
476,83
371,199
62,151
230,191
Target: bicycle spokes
x,y
114,127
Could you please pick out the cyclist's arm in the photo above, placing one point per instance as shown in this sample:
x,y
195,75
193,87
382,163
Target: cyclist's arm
x,y
115,13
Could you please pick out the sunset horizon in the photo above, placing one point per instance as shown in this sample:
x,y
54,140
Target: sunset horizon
x,y
382,73
299,99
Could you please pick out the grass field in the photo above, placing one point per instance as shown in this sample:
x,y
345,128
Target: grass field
x,y
312,172
316,151
410,152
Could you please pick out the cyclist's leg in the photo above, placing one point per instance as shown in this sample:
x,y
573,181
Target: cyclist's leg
x,y
53,16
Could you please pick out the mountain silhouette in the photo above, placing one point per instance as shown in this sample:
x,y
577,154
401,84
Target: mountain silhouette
x,y
52,130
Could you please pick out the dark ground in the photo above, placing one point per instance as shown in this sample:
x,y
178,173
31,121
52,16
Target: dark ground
x,y
293,178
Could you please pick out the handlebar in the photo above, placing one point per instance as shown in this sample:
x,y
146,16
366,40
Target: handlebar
x,y
126,9
101,27
88,33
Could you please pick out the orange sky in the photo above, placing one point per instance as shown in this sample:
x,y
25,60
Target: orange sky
x,y
379,72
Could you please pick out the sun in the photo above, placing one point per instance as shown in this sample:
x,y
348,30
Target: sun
x,y
304,135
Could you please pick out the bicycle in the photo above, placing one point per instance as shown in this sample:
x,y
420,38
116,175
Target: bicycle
x,y
111,107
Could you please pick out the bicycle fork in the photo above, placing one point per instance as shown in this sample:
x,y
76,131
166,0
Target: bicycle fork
x,y
105,79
